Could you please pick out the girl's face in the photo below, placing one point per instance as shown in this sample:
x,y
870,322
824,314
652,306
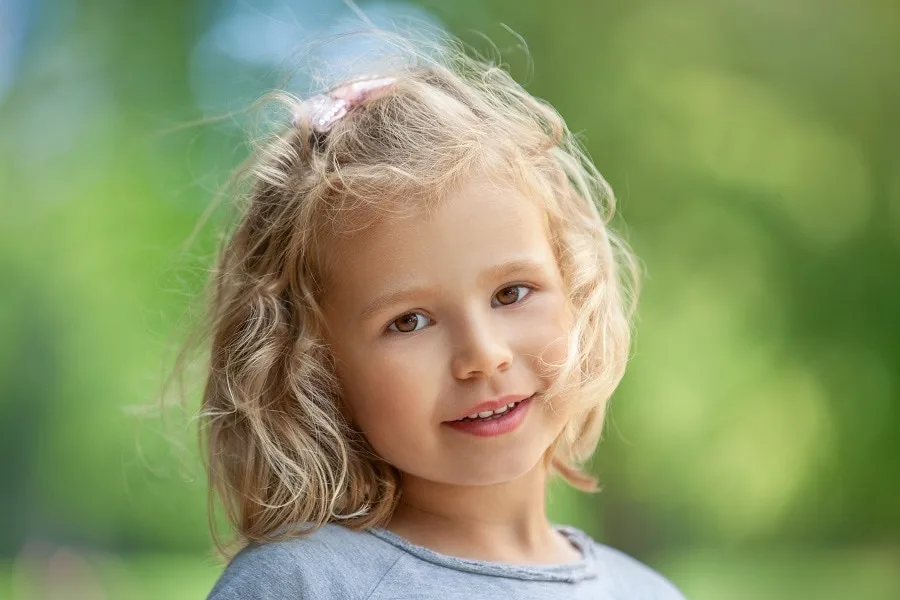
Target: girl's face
x,y
429,317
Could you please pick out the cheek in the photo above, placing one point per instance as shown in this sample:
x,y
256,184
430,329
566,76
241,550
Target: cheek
x,y
389,394
552,355
548,337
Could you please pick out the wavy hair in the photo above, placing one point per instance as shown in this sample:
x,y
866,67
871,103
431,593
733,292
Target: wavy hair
x,y
279,450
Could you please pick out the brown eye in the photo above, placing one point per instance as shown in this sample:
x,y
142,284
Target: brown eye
x,y
407,323
511,295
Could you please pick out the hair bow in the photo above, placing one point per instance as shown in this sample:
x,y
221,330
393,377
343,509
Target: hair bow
x,y
324,110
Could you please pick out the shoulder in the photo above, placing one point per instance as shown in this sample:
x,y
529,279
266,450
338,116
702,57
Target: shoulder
x,y
331,562
631,578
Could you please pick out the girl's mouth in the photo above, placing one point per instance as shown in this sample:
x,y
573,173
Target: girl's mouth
x,y
495,423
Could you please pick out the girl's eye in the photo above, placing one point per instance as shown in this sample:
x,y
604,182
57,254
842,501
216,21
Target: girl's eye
x,y
511,295
408,323
414,321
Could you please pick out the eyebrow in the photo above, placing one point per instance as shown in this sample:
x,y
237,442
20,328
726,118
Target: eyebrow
x,y
495,272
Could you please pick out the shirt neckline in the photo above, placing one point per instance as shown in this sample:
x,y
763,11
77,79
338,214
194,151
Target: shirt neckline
x,y
584,568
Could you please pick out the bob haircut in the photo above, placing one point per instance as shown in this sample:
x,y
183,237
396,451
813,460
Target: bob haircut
x,y
279,451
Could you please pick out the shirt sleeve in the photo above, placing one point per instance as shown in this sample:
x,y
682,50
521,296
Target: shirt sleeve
x,y
322,567
633,579
269,572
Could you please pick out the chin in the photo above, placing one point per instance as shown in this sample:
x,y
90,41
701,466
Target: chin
x,y
492,473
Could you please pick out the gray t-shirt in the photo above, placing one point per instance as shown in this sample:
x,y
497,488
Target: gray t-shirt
x,y
337,563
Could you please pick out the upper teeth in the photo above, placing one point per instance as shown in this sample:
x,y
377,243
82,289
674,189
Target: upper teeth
x,y
485,414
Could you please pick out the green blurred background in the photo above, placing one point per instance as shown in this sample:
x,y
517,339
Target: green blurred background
x,y
752,450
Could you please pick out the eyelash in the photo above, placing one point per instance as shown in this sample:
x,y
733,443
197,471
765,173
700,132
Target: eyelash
x,y
530,289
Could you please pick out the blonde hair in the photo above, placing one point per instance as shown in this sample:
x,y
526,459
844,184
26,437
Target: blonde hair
x,y
279,451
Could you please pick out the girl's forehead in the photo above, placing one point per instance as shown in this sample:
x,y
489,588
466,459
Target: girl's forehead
x,y
358,220
461,211
468,228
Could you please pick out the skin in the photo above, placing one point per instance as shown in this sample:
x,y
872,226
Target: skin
x,y
464,337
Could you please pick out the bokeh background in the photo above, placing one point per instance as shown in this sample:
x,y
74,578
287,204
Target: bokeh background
x,y
752,450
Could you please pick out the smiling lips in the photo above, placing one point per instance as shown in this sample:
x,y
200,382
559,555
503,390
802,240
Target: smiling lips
x,y
491,414
493,407
507,413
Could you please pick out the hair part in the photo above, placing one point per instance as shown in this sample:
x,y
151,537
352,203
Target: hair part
x,y
280,451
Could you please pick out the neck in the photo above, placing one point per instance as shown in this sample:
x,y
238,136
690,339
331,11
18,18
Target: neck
x,y
504,522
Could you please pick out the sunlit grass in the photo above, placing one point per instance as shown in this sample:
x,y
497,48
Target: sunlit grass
x,y
101,577
791,574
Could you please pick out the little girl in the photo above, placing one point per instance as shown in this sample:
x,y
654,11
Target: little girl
x,y
418,319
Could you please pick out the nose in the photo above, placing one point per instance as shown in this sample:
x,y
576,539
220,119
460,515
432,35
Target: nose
x,y
480,353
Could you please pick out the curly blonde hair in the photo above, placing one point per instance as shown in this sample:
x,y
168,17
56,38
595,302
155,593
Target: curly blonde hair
x,y
279,450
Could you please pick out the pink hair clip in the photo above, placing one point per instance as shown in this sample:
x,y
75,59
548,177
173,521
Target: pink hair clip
x,y
324,110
